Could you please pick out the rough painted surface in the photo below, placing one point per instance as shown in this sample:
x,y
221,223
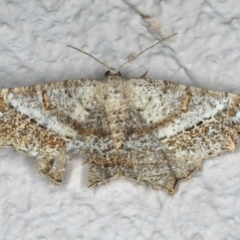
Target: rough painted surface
x,y
203,54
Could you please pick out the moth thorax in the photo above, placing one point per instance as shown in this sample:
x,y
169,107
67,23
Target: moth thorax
x,y
117,114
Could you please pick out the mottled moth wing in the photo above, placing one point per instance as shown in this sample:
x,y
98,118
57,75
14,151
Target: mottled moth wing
x,y
49,121
175,127
147,130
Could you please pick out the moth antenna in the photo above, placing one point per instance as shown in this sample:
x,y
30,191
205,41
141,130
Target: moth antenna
x,y
90,56
146,50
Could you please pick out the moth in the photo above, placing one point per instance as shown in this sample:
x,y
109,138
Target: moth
x,y
151,131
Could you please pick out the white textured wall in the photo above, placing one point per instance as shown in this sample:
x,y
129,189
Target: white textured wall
x,y
205,53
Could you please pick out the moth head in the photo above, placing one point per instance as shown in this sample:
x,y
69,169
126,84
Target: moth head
x,y
112,72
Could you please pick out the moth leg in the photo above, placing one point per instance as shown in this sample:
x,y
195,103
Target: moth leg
x,y
144,75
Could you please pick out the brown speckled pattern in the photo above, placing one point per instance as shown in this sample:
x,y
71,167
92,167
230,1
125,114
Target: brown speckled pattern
x,y
151,131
